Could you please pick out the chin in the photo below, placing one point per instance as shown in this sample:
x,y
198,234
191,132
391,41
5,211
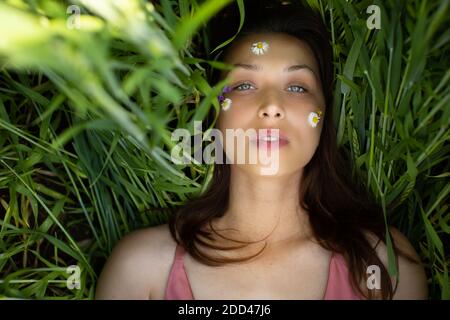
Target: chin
x,y
264,171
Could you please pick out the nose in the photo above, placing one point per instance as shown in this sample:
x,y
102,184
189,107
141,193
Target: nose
x,y
271,109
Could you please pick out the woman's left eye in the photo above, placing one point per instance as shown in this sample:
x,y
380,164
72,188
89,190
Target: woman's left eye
x,y
243,86
296,89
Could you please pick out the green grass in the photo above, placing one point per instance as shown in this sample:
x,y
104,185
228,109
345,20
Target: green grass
x,y
86,117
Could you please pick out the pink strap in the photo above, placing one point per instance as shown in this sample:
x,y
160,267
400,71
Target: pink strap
x,y
178,287
339,287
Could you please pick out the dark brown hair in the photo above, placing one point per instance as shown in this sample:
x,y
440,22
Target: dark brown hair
x,y
342,212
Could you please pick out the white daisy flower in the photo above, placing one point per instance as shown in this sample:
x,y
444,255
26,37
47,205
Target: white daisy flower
x,y
313,119
260,47
226,104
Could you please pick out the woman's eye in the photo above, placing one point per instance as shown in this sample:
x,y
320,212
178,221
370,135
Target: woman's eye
x,y
296,89
248,86
243,86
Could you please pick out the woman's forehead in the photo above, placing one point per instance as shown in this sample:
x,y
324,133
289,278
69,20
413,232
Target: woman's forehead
x,y
276,51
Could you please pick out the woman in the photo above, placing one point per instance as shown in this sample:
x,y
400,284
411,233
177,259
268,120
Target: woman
x,y
308,231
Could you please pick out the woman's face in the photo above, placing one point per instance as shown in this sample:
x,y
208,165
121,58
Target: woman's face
x,y
278,90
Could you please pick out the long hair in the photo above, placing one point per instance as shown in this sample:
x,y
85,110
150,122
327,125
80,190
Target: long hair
x,y
341,210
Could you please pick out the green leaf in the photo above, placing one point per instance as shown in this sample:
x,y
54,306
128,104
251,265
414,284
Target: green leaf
x,y
187,27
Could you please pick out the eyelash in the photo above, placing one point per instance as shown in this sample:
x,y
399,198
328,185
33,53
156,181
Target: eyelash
x,y
246,83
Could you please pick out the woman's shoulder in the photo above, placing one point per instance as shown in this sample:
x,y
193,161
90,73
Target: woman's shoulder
x,y
148,242
133,270
412,280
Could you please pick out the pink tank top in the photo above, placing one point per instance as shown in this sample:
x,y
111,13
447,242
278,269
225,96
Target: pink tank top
x,y
338,285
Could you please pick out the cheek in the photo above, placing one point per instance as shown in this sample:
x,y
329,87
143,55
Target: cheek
x,y
307,116
307,135
238,112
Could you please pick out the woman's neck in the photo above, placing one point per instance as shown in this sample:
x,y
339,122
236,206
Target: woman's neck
x,y
262,207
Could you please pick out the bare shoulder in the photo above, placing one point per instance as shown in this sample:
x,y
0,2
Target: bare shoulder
x,y
137,265
412,281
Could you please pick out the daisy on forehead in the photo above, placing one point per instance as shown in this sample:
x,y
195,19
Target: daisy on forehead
x,y
275,84
259,47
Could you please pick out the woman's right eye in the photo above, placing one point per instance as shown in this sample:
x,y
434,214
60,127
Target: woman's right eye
x,y
243,86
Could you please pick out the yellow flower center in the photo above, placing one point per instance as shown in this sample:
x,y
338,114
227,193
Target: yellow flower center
x,y
259,45
315,119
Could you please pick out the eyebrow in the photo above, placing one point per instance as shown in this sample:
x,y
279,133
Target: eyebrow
x,y
253,67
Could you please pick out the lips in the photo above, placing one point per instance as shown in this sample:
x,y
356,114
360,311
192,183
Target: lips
x,y
269,137
270,134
